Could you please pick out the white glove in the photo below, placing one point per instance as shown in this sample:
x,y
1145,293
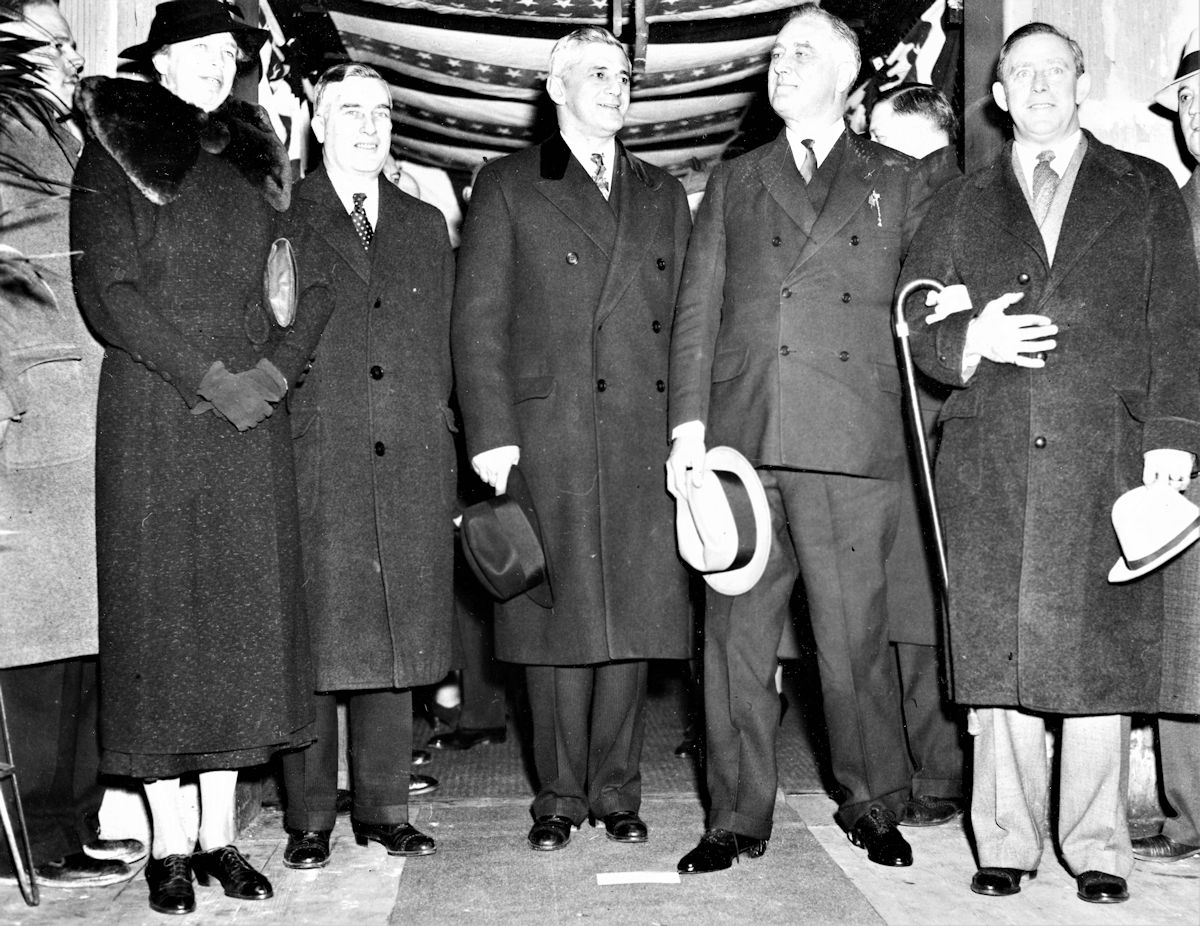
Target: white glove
x,y
949,300
1167,467
1009,338
492,466
686,460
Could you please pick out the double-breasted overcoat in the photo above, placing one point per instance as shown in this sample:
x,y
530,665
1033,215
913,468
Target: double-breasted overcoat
x,y
203,645
1031,460
373,443
562,321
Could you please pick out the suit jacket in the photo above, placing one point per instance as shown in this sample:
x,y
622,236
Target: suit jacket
x,y
375,463
783,344
1030,461
562,321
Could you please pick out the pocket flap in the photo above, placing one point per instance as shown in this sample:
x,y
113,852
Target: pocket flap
x,y
532,387
728,364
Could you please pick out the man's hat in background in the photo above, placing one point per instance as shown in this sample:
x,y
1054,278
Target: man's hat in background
x,y
183,20
724,527
502,542
1153,524
1189,64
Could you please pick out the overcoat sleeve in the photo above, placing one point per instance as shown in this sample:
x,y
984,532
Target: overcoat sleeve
x,y
698,308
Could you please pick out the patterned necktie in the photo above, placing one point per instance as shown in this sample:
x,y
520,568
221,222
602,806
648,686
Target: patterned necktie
x,y
599,176
362,224
808,166
1045,182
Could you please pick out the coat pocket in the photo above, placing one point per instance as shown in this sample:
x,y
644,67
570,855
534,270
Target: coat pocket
x,y
729,364
532,387
306,449
959,465
58,423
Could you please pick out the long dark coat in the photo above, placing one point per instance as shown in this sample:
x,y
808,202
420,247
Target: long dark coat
x,y
562,321
203,644
1181,579
1031,461
374,452
49,373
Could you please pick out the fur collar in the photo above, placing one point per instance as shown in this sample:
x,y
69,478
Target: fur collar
x,y
155,137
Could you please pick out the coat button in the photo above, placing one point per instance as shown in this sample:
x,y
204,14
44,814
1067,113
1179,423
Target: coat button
x,y
656,326
784,351
377,372
787,294
845,297
776,241
844,356
380,450
660,264
572,258
601,385
854,241
378,303
1039,442
660,386
1022,278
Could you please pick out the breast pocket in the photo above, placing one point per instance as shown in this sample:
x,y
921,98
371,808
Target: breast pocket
x,y
59,421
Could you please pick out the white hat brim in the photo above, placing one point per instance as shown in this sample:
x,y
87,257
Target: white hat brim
x,y
733,582
1120,572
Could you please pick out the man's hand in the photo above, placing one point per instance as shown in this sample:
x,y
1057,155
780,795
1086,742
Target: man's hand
x,y
686,461
948,300
492,466
1009,338
1169,468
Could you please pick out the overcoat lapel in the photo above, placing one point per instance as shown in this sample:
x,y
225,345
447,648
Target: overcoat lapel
x,y
330,220
778,173
393,236
567,185
850,188
1002,204
638,209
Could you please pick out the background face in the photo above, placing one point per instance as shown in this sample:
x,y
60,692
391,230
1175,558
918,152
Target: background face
x,y
803,77
59,61
1189,114
1040,90
355,127
912,134
592,92
199,71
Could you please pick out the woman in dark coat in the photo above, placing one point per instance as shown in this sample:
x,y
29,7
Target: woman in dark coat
x,y
203,646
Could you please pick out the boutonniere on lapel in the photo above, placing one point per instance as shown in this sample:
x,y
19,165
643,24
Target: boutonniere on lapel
x,y
873,201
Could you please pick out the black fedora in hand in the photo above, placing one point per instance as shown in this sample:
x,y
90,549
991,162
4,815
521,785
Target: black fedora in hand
x,y
183,20
502,542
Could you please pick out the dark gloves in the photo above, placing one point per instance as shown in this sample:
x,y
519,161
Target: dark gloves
x,y
243,399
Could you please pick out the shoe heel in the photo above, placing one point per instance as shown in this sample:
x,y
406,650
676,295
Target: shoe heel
x,y
202,877
758,850
360,839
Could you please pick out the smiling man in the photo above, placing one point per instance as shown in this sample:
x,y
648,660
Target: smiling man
x,y
375,470
567,276
783,351
1085,389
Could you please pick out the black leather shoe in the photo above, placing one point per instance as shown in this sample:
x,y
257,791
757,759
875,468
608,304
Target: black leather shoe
x,y
1160,848
625,826
398,838
306,849
998,882
928,810
718,850
876,832
421,784
421,757
550,832
81,870
462,738
170,880
1101,887
116,850
229,867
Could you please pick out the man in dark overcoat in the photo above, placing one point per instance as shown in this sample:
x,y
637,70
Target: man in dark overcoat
x,y
375,470
1075,382
783,350
568,272
1179,703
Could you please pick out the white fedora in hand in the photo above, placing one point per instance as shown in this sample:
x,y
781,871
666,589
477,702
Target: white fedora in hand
x,y
1153,524
724,527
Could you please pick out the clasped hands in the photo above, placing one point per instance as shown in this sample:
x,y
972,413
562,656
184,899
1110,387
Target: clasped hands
x,y
243,399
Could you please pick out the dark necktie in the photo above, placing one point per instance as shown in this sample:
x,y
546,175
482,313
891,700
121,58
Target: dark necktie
x,y
808,166
362,224
1045,182
600,176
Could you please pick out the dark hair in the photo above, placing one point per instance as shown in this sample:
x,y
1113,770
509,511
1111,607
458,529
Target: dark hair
x,y
839,27
922,100
339,73
1037,28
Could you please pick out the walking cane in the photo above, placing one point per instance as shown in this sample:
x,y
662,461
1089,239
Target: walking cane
x,y
913,404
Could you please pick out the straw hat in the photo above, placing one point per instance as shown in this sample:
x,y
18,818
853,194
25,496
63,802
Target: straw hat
x,y
1153,524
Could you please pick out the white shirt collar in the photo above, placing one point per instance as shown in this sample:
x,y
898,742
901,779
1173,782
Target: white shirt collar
x,y
824,138
346,187
1027,155
583,153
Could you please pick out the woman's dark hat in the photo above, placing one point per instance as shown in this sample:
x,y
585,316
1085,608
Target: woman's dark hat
x,y
181,20
502,543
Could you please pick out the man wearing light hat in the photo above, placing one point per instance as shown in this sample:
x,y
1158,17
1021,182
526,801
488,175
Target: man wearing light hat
x,y
1178,726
